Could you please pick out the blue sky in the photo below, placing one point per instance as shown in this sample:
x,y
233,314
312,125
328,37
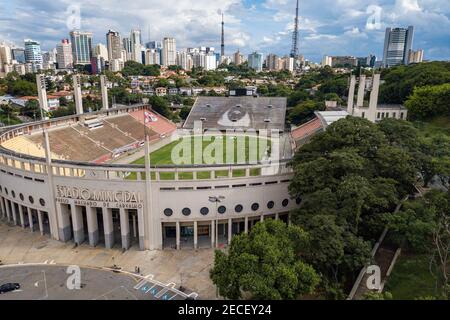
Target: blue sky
x,y
327,27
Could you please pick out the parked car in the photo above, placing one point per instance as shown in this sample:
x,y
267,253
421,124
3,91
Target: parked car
x,y
8,287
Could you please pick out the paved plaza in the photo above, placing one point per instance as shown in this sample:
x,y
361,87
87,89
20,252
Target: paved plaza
x,y
186,268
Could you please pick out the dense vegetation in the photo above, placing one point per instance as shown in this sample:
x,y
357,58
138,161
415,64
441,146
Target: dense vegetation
x,y
349,179
133,68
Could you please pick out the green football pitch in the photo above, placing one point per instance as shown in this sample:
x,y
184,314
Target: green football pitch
x,y
226,150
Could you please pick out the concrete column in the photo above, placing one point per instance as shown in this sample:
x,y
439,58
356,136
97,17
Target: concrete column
x,y
77,94
373,104
178,231
361,91
108,227
246,225
104,91
91,215
8,211
125,229
277,216
41,224
30,219
262,218
351,95
22,220
195,235
134,226
77,224
64,230
213,233
14,212
141,229
289,219
230,230
2,207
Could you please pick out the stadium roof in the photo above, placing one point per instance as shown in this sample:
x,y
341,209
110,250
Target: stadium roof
x,y
329,117
244,112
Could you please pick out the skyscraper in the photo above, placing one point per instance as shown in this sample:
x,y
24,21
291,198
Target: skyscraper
x,y
18,55
81,47
397,43
294,50
114,45
136,44
169,52
33,54
255,61
64,57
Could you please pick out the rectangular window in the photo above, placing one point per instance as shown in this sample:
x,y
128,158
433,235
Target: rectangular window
x,y
363,115
382,115
394,115
378,115
401,115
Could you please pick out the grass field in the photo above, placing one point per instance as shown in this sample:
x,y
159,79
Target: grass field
x,y
254,149
411,278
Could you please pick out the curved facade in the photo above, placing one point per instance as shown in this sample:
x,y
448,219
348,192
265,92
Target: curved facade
x,y
126,205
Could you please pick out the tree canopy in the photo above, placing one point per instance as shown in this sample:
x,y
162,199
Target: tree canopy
x,y
265,264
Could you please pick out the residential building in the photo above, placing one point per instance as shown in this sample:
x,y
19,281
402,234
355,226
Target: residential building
x,y
113,45
415,56
33,53
64,57
169,52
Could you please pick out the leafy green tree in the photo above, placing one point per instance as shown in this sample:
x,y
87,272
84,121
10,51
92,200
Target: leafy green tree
x,y
184,112
160,105
400,81
429,101
304,112
151,70
265,265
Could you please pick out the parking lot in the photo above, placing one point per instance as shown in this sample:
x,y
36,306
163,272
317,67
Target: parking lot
x,y
51,282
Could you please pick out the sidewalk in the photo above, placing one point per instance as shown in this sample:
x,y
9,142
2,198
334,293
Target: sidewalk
x,y
187,267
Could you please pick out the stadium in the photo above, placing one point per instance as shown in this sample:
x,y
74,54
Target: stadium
x,y
108,178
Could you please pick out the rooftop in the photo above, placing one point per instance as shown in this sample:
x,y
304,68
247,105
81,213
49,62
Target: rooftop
x,y
243,112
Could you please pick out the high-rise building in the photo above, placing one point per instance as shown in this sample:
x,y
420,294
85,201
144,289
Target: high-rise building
x,y
33,53
169,52
154,45
114,45
82,48
327,61
18,55
397,43
273,62
237,58
152,56
136,44
255,61
415,56
101,51
6,54
64,57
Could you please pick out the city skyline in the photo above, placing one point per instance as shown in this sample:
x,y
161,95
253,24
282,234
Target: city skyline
x,y
345,28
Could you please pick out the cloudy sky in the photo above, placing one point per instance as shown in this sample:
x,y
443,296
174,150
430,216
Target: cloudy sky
x,y
332,27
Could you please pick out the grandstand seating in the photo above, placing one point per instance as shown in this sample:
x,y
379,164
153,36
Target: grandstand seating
x,y
109,137
162,126
131,126
22,144
69,144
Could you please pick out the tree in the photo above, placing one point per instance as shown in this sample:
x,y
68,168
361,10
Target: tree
x,y
160,105
265,265
303,112
400,81
423,226
428,102
184,112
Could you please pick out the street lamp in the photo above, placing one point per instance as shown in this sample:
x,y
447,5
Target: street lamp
x,y
217,200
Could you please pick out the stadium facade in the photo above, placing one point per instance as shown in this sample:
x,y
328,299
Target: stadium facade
x,y
58,177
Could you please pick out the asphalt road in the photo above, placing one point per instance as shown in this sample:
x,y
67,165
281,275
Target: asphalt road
x,y
50,282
